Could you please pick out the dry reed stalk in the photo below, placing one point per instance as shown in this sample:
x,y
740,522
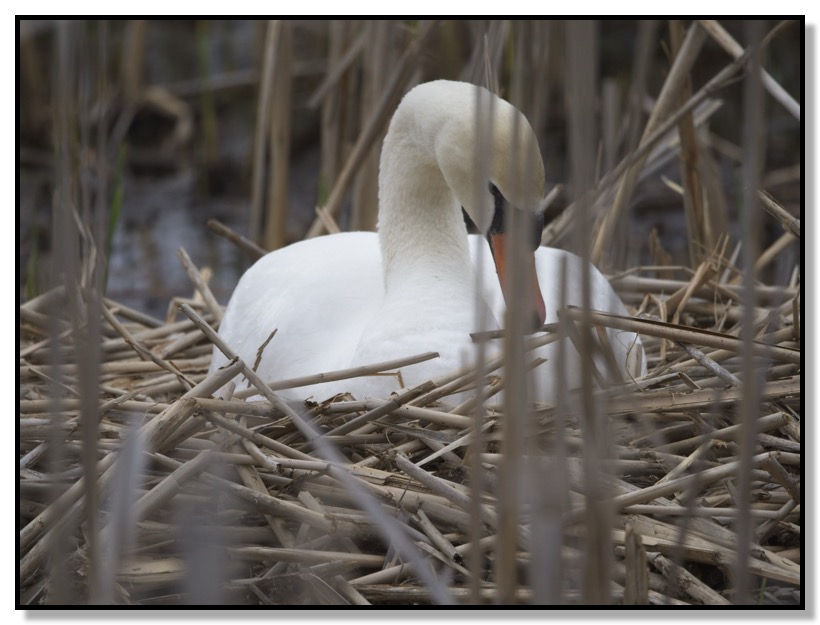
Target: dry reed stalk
x,y
697,550
785,240
264,106
144,353
250,477
133,60
134,315
380,411
753,146
764,424
673,486
275,233
636,586
340,59
129,367
560,225
327,220
710,364
670,91
259,409
200,284
789,223
462,441
455,381
251,249
764,294
721,513
377,58
334,96
677,402
172,484
44,405
443,488
425,414
728,43
681,578
438,539
306,557
676,302
697,219
343,374
764,529
187,342
438,508
688,335
259,439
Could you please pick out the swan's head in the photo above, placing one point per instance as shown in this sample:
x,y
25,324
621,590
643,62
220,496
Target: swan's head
x,y
489,157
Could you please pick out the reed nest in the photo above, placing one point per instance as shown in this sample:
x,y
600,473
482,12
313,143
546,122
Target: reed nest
x,y
196,499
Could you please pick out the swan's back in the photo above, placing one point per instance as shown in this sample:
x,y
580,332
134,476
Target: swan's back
x,y
325,296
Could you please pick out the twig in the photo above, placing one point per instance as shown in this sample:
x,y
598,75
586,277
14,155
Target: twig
x,y
251,249
789,223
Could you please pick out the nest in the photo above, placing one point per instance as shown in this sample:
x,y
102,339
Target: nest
x,y
172,496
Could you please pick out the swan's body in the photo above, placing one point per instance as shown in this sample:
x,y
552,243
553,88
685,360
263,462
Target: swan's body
x,y
359,298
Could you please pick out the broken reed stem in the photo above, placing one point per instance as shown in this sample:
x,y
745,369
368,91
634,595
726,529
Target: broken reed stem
x,y
679,577
144,353
199,283
248,247
672,486
343,374
687,335
789,223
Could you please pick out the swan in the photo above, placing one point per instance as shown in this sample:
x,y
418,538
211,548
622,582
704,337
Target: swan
x,y
359,298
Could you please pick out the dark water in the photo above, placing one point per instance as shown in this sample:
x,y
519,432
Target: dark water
x,y
163,214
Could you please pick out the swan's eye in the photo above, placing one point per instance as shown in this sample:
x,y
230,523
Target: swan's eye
x,y
498,226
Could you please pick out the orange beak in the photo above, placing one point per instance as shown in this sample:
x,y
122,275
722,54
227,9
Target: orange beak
x,y
535,301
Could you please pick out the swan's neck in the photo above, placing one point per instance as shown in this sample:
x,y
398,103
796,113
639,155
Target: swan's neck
x,y
421,230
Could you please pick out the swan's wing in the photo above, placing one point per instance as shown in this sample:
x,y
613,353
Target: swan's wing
x,y
317,295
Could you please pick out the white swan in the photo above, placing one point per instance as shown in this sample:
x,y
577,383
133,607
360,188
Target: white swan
x,y
357,298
